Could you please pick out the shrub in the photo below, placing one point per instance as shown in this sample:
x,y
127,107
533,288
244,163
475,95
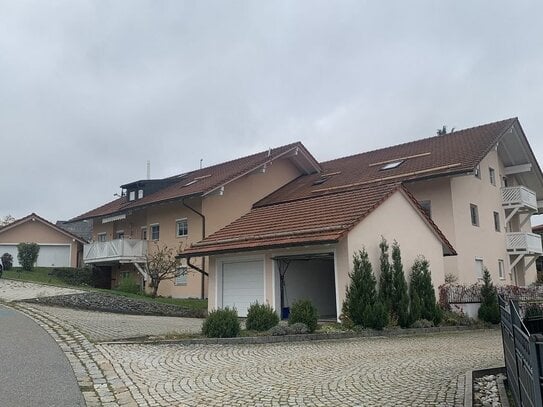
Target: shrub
x,y
222,323
361,293
298,328
27,253
386,289
7,261
304,311
279,330
73,276
400,297
421,291
422,323
489,311
261,317
533,311
129,285
380,316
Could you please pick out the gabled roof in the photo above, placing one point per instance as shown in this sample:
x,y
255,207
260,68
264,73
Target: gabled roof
x,y
316,220
454,153
207,180
33,217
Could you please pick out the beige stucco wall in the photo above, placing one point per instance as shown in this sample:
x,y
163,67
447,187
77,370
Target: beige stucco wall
x,y
38,232
219,211
395,219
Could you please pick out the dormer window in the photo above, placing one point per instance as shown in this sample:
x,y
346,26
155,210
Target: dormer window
x,y
140,193
131,195
392,165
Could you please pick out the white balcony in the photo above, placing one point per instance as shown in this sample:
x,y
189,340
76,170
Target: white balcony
x,y
519,197
113,251
524,243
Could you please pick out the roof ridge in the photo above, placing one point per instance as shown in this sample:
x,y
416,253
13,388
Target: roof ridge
x,y
43,220
418,140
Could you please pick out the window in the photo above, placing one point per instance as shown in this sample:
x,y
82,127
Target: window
x,y
474,212
181,278
131,195
181,227
155,231
497,221
101,237
140,193
501,270
125,275
392,165
119,234
492,175
479,266
477,172
426,207
143,234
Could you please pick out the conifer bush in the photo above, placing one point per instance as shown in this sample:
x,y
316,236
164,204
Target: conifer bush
x,y
489,311
400,297
305,312
422,294
222,323
386,287
261,317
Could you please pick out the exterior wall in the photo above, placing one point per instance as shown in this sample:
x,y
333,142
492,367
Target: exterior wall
x,y
450,200
395,219
219,211
240,195
38,232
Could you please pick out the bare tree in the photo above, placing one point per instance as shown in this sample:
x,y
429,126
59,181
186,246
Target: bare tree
x,y
6,220
161,264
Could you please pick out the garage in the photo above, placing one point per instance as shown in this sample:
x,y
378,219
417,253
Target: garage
x,y
242,284
49,256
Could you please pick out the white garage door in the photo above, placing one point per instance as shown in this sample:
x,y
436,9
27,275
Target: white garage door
x,y
242,285
49,256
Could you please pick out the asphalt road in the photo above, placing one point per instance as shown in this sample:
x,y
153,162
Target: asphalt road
x,y
33,369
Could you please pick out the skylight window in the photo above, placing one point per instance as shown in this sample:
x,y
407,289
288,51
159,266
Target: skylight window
x,y
392,165
191,182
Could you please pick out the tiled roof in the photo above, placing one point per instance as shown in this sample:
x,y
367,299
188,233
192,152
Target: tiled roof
x,y
316,220
453,153
206,180
44,221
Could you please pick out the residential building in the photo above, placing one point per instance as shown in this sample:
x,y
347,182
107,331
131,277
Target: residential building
x,y
58,247
183,209
463,200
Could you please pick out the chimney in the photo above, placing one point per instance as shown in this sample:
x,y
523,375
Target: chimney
x,y
148,169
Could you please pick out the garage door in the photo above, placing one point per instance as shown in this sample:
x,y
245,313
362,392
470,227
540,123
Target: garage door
x,y
242,285
49,256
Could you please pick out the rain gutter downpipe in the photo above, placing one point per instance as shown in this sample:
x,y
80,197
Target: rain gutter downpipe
x,y
202,269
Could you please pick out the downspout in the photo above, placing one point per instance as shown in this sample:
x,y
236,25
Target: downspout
x,y
202,269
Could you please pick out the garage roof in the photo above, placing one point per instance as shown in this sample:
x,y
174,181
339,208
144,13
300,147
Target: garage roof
x,y
34,217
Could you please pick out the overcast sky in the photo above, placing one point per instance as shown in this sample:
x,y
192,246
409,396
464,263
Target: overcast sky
x,y
91,90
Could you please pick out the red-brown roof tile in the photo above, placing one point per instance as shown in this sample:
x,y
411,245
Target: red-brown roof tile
x,y
207,180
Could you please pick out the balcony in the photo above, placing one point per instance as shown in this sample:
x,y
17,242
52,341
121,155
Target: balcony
x,y
115,251
523,243
519,197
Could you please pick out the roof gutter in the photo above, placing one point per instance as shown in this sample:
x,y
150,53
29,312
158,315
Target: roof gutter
x,y
202,269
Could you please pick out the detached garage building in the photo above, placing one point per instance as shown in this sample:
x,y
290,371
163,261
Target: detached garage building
x,y
58,247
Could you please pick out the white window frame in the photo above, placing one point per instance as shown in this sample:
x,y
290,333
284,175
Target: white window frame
x,y
492,175
158,230
101,237
140,193
181,279
143,233
392,165
177,223
497,221
132,195
479,270
501,269
477,221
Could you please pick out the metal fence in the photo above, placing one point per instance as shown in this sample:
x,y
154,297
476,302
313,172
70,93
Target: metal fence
x,y
523,354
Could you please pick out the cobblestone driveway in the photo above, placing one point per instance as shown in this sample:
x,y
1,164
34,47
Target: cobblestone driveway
x,y
11,290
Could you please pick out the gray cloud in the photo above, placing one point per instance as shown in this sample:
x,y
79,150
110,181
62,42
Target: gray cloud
x,y
89,91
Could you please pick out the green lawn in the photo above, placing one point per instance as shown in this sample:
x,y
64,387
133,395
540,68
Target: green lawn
x,y
41,275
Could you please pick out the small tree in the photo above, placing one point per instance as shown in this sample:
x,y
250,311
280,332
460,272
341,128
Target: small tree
x,y
27,253
385,279
6,220
7,261
489,310
360,295
400,297
421,291
161,264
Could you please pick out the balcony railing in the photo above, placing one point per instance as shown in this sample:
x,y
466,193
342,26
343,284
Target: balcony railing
x,y
523,242
118,250
518,197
